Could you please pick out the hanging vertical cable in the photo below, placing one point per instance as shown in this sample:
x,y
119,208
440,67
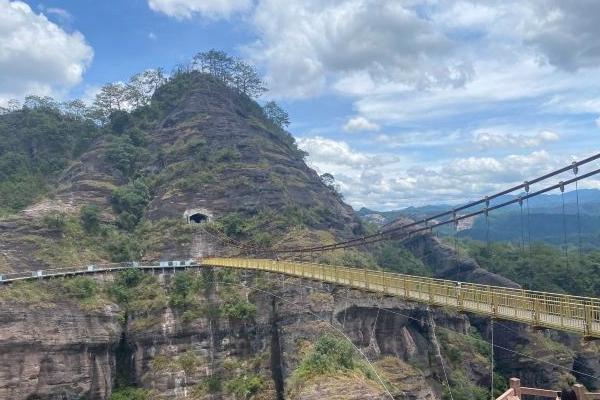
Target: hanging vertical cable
x,y
456,250
562,194
528,225
487,225
529,275
522,230
576,171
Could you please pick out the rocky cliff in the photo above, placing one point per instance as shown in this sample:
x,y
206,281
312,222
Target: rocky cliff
x,y
58,344
203,155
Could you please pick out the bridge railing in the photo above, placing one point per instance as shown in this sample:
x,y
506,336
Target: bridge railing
x,y
551,310
91,268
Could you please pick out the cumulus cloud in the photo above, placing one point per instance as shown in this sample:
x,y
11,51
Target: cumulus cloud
x,y
36,55
185,9
566,32
494,140
381,180
358,124
306,44
439,78
324,151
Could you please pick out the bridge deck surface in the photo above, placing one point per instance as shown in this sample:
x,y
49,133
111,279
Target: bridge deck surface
x,y
545,310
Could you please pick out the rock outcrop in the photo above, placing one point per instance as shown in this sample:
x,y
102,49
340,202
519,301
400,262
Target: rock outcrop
x,y
58,350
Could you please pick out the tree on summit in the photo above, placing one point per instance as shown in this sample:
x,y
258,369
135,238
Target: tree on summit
x,y
246,79
276,114
216,63
142,86
232,71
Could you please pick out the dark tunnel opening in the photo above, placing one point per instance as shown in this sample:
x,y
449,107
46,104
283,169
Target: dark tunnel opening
x,y
198,218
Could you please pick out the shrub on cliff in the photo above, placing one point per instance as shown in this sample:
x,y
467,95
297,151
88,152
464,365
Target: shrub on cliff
x,y
90,218
245,386
130,393
129,202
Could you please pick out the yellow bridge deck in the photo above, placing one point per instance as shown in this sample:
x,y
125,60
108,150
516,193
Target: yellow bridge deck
x,y
544,310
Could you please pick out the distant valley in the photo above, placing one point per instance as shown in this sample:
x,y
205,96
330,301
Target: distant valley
x,y
543,221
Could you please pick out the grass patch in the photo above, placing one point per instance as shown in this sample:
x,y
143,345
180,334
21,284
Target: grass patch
x,y
131,393
330,355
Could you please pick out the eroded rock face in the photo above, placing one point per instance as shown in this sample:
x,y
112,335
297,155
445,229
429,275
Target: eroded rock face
x,y
57,353
62,352
448,264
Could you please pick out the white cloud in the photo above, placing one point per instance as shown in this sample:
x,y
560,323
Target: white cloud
x,y
358,124
36,55
324,151
185,9
566,32
61,13
384,181
440,79
307,44
489,139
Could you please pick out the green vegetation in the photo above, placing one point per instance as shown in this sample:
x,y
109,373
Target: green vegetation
x,y
330,355
188,362
124,155
80,287
276,114
464,353
245,386
130,393
543,268
138,292
211,384
237,308
463,388
129,202
80,290
264,227
90,218
36,143
391,256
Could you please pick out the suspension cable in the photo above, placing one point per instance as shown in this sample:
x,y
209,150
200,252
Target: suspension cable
x,y
512,189
388,234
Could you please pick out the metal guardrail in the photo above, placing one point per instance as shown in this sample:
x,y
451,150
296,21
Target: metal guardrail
x,y
91,269
540,309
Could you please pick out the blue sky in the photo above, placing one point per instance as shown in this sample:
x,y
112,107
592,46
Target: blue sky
x,y
404,102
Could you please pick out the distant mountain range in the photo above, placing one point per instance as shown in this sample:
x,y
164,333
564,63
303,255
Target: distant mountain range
x,y
543,222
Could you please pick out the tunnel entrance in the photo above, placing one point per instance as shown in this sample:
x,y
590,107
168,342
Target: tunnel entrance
x,y
197,218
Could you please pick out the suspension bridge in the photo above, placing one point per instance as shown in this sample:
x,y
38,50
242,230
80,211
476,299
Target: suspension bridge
x,y
564,312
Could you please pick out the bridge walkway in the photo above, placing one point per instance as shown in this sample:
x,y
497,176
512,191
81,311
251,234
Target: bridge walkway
x,y
540,309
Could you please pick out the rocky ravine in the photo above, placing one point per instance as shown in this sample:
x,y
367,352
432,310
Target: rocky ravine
x,y
57,350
